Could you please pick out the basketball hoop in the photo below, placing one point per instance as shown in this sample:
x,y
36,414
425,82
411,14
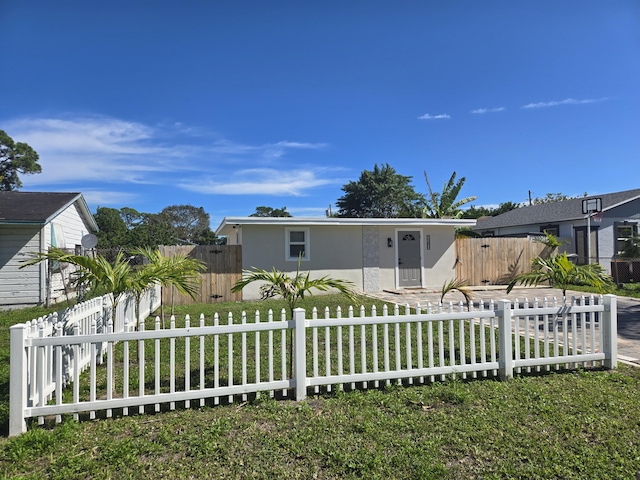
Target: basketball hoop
x,y
597,217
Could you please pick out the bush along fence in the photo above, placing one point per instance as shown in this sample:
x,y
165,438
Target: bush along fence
x,y
153,367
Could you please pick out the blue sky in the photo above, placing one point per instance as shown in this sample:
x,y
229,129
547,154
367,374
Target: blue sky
x,y
232,105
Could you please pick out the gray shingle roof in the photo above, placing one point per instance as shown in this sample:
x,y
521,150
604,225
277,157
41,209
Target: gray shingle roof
x,y
554,211
32,207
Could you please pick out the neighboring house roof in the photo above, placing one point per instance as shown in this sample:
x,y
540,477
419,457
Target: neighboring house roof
x,y
228,223
555,211
39,208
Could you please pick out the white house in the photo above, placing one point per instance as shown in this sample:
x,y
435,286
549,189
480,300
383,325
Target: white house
x,y
31,222
608,229
374,253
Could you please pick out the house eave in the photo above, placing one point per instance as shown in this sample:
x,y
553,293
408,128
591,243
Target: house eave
x,y
228,223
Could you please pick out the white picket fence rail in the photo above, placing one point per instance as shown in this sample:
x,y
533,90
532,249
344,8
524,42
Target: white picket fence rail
x,y
225,361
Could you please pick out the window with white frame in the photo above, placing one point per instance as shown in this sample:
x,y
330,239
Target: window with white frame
x,y
297,244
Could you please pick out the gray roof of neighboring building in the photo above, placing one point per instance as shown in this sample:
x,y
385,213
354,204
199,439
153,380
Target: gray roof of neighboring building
x,y
554,211
39,207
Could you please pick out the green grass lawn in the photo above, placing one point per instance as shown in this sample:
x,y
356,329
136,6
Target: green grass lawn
x,y
580,424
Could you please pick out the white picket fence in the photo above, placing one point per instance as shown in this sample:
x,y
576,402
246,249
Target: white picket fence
x,y
45,371
149,368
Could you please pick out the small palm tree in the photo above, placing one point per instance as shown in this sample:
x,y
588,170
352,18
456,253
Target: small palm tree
x,y
459,285
291,289
117,278
179,271
560,272
98,273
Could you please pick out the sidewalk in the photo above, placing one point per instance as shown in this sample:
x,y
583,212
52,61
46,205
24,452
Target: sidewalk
x,y
628,308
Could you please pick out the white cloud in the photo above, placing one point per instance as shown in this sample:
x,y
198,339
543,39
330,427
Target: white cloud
x,y
487,110
260,181
98,149
103,197
567,101
428,116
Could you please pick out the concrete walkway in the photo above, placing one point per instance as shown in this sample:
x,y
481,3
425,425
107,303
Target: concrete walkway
x,y
628,308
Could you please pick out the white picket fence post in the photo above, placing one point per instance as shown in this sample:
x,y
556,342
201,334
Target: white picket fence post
x,y
609,328
300,353
18,381
505,340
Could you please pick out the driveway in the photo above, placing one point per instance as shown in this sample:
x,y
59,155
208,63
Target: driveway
x,y
628,309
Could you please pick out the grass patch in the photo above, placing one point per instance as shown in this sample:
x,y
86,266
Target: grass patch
x,y
622,290
582,424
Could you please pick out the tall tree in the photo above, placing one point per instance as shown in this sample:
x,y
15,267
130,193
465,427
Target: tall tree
x,y
112,229
189,224
380,193
553,197
263,211
445,204
15,158
151,231
477,212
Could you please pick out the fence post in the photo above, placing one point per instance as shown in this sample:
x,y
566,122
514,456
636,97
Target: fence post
x,y
17,380
505,340
609,331
300,353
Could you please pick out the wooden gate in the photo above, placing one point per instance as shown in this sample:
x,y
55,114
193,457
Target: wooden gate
x,y
495,260
223,270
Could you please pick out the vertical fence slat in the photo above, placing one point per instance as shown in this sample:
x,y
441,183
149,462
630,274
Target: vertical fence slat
x,y
172,361
230,356
352,360
141,365
216,359
187,360
125,368
243,353
157,364
202,363
270,353
409,344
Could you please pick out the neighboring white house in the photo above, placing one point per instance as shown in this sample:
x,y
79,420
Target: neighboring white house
x,y
608,231
374,253
31,222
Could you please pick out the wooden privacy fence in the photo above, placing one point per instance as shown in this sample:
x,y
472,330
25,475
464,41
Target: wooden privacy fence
x,y
496,260
231,358
223,270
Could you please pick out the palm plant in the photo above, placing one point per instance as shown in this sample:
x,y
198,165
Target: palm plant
x,y
457,285
291,289
631,247
444,204
117,277
179,271
560,272
98,273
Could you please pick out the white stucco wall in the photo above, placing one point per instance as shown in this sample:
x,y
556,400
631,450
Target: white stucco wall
x,y
348,252
334,251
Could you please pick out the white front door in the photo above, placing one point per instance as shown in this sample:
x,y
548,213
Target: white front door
x,y
409,260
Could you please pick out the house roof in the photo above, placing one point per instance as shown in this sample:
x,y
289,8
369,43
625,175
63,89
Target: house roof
x,y
555,211
228,223
39,208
